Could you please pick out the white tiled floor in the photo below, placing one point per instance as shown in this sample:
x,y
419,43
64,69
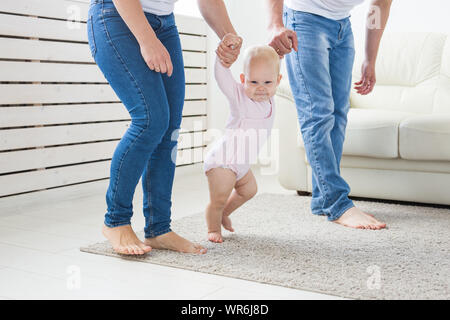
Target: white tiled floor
x,y
40,236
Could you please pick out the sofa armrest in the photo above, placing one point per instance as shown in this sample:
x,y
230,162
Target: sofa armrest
x,y
292,167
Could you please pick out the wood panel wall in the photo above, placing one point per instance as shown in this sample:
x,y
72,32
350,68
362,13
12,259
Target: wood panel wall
x,y
60,121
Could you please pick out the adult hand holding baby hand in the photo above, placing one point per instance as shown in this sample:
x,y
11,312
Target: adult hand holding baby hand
x,y
229,49
283,41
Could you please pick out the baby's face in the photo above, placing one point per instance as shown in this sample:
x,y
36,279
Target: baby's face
x,y
261,80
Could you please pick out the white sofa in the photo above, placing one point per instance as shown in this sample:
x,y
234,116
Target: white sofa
x,y
397,142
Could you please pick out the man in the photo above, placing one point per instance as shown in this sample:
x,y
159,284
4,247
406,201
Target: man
x,y
320,72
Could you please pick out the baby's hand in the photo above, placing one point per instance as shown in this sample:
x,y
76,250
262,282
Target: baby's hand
x,y
228,49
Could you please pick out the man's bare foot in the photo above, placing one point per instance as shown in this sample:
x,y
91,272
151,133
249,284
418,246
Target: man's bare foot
x,y
172,241
215,237
355,218
226,222
124,240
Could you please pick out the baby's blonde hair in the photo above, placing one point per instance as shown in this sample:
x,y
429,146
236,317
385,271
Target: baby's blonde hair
x,y
261,52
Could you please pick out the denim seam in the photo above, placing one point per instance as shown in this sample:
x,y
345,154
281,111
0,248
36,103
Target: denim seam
x,y
310,135
143,98
91,30
116,224
148,180
158,233
313,143
304,84
310,115
149,194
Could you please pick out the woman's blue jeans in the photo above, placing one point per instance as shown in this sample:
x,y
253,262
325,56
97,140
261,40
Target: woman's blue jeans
x,y
154,101
320,75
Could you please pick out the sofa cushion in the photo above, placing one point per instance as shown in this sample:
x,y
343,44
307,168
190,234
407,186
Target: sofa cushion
x,y
372,133
425,137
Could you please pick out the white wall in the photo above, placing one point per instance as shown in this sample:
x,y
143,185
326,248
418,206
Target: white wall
x,y
405,16
187,7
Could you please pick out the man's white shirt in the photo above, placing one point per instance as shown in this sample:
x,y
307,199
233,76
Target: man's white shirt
x,y
331,9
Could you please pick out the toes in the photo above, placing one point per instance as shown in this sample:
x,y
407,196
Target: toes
x,y
145,247
128,250
381,224
121,249
133,249
200,249
137,249
377,225
215,239
125,250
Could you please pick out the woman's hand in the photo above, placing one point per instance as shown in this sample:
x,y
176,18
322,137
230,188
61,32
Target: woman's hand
x,y
229,49
283,41
156,56
368,79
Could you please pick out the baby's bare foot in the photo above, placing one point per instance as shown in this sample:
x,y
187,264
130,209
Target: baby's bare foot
x,y
226,222
172,241
124,240
355,218
215,237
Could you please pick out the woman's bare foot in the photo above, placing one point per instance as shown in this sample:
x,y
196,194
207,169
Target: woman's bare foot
x,y
124,240
172,241
215,237
355,218
226,222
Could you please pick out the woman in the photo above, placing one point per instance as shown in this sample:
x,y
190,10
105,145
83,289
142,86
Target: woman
x,y
140,55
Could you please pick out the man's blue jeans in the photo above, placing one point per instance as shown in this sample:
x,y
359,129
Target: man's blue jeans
x,y
320,75
154,102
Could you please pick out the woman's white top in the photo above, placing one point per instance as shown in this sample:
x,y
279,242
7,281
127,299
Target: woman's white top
x,y
331,9
158,7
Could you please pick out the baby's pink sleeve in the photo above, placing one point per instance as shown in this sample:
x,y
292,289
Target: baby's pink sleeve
x,y
226,82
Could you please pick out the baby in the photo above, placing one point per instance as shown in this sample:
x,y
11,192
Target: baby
x,y
227,164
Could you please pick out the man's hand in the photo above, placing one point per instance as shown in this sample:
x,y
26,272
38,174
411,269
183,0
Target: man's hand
x,y
229,49
283,41
368,79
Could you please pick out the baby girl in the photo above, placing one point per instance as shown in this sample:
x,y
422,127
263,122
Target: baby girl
x,y
227,164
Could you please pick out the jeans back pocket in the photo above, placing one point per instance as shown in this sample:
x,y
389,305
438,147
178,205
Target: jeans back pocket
x,y
91,37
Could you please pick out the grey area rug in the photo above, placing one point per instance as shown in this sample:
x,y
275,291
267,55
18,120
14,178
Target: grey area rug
x,y
278,241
